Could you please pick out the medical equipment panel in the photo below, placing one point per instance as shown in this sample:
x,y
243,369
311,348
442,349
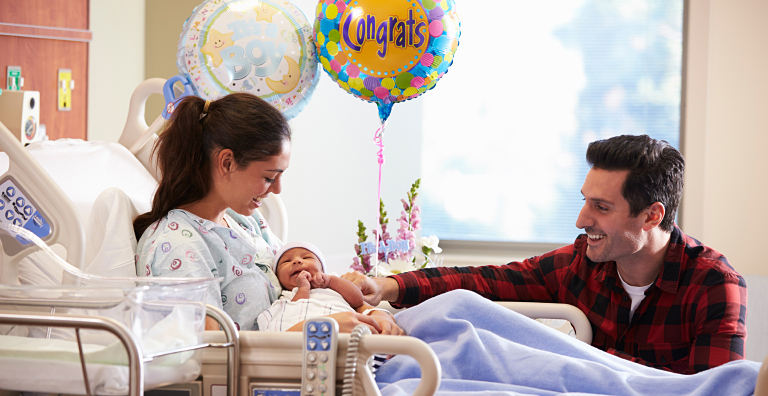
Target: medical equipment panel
x,y
318,374
19,209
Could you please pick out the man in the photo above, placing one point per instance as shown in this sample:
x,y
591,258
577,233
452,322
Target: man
x,y
653,294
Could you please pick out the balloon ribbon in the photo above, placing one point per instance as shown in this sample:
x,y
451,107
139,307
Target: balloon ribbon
x,y
378,139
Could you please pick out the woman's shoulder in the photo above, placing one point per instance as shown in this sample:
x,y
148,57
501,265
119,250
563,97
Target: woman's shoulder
x,y
177,225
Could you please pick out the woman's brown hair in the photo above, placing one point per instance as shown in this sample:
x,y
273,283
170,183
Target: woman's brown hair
x,y
241,122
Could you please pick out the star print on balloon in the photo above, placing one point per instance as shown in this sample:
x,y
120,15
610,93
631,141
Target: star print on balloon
x,y
256,46
214,46
386,52
264,12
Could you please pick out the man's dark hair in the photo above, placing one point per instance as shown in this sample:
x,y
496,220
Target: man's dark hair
x,y
655,168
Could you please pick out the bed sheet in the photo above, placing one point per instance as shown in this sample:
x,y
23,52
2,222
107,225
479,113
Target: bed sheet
x,y
486,349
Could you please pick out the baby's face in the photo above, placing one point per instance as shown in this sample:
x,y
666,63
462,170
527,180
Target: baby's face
x,y
294,261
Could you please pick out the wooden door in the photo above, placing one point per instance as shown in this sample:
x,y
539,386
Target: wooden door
x,y
43,36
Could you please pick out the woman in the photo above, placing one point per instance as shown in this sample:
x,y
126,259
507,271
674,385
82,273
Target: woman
x,y
219,160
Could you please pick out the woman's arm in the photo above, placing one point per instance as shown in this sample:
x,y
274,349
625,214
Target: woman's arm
x,y
384,318
347,322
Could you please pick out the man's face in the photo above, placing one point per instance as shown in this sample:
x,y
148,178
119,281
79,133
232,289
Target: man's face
x,y
613,233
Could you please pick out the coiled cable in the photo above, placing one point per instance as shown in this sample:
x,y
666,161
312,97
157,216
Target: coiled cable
x,y
350,367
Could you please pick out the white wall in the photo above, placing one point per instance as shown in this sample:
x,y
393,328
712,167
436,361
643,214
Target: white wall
x,y
115,64
727,130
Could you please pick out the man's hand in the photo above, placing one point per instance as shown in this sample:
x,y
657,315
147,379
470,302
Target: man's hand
x,y
374,289
321,280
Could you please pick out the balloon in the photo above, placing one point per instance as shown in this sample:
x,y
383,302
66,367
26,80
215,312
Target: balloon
x,y
386,52
256,46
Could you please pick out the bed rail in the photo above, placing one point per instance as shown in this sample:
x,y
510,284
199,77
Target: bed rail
x,y
121,331
268,358
136,369
536,310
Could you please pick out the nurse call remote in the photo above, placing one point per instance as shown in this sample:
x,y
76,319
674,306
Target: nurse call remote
x,y
318,368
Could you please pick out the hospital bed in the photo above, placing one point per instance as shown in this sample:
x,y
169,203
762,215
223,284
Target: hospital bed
x,y
267,361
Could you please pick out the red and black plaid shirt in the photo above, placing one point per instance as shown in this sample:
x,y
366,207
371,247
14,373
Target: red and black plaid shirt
x,y
693,317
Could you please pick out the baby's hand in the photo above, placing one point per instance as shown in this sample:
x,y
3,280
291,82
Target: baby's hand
x,y
304,279
321,280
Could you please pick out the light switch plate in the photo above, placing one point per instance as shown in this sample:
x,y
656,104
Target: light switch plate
x,y
13,81
64,87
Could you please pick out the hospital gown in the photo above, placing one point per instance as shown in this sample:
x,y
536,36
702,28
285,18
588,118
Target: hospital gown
x,y
185,245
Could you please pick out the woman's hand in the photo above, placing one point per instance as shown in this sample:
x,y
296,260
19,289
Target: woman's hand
x,y
387,323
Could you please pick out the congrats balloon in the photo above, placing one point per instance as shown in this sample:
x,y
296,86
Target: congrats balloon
x,y
386,52
257,46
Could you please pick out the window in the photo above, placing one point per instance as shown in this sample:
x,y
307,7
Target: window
x,y
533,82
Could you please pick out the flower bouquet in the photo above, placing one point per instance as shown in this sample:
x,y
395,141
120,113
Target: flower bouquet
x,y
401,253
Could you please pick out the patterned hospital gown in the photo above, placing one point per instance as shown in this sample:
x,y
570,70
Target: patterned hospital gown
x,y
185,245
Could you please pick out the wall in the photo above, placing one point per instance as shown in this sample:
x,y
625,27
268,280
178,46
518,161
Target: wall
x,y
116,64
163,27
727,130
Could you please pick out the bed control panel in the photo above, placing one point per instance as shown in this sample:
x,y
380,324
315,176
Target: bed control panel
x,y
17,208
318,368
275,392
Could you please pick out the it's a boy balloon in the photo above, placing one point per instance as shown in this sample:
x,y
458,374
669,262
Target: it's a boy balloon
x,y
258,46
386,51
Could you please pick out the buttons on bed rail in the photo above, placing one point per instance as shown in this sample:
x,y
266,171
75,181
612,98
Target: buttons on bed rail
x,y
18,209
319,363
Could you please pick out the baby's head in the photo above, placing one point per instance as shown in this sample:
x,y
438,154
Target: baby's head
x,y
295,257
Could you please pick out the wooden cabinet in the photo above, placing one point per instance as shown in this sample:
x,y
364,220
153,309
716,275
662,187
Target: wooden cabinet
x,y
43,36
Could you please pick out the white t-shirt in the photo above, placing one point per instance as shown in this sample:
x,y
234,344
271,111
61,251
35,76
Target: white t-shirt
x,y
636,293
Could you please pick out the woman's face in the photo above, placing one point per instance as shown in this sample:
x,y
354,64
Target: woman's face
x,y
251,184
294,261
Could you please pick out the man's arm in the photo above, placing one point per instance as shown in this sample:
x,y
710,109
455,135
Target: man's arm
x,y
534,279
721,331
